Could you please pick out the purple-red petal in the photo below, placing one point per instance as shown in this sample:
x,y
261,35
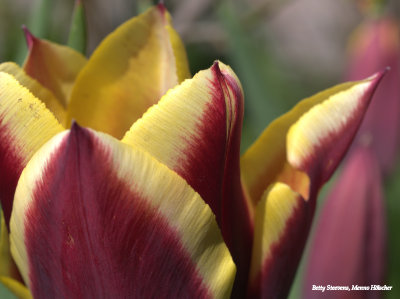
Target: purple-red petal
x,y
349,243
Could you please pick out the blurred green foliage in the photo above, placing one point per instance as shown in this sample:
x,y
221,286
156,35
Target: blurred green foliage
x,y
392,192
77,33
5,293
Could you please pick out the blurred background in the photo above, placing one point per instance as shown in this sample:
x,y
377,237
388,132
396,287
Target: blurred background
x,y
282,51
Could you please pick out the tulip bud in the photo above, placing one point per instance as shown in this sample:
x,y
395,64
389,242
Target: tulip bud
x,y
374,46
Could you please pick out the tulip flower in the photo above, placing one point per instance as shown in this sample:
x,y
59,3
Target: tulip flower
x,y
147,197
352,251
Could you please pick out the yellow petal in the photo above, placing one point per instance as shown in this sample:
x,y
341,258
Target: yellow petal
x,y
129,72
39,91
54,66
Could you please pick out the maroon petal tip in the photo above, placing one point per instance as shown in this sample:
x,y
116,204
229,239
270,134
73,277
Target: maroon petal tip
x,y
377,77
77,131
215,66
161,6
29,37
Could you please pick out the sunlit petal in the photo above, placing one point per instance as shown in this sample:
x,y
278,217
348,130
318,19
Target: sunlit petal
x,y
39,91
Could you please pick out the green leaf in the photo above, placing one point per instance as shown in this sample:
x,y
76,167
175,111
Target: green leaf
x,y
41,18
77,33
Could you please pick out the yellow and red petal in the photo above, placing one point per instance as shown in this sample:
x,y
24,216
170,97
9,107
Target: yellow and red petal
x,y
25,125
296,155
317,142
91,209
281,225
129,72
39,91
195,130
54,66
307,143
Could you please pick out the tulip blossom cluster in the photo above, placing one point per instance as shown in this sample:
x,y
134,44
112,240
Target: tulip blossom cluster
x,y
121,176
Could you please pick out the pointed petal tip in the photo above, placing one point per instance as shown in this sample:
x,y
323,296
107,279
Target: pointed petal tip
x,y
216,64
161,7
216,68
74,125
77,132
76,129
29,37
377,77
375,80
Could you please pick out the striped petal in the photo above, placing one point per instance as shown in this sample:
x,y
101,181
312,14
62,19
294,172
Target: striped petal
x,y
195,130
129,72
91,209
317,142
309,141
25,125
38,90
280,223
54,66
350,238
297,154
